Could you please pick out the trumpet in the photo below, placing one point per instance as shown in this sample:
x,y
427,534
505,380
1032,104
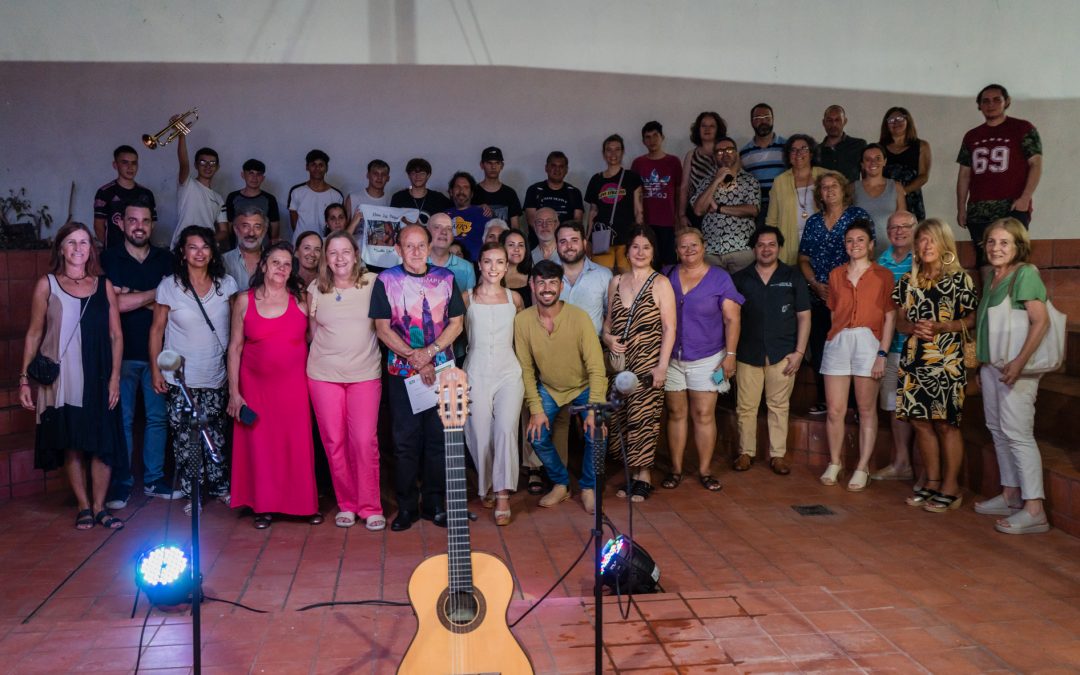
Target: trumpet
x,y
181,126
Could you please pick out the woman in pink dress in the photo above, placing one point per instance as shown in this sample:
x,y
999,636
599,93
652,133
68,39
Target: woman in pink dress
x,y
273,469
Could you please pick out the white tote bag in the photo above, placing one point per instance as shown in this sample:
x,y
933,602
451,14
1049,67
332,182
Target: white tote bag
x,y
1007,329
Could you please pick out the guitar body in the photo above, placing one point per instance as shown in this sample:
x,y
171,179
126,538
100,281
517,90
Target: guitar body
x,y
461,636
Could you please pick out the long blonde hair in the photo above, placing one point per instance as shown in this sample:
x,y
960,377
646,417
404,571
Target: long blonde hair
x,y
941,234
326,277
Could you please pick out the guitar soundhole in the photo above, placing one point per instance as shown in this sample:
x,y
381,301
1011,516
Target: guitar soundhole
x,y
461,612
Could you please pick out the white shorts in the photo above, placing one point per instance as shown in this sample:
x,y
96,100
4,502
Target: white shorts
x,y
889,383
693,375
851,352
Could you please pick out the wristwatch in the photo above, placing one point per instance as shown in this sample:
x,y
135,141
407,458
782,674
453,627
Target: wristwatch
x,y
883,354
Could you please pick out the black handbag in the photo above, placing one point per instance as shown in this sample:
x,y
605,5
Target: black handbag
x,y
44,370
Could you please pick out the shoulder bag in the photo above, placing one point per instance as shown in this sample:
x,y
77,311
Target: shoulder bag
x,y
1007,329
603,234
44,370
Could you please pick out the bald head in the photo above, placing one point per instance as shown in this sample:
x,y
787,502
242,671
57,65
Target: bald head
x,y
834,121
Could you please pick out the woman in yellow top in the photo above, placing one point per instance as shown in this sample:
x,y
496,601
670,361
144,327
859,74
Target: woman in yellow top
x,y
791,200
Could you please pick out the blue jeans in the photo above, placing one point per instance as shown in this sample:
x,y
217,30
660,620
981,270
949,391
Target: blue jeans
x,y
545,448
135,375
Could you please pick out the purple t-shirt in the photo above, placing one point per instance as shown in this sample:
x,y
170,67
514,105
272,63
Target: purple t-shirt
x,y
699,314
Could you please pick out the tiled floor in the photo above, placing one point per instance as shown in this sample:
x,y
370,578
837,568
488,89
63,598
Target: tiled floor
x,y
750,586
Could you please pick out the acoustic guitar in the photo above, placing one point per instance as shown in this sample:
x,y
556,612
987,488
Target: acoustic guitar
x,y
461,598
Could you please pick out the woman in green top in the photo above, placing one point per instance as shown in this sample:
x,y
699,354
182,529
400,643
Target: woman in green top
x,y
1009,396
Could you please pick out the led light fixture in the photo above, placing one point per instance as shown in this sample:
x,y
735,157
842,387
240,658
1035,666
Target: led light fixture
x,y
627,568
164,574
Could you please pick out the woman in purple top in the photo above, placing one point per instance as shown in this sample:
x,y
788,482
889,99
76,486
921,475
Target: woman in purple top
x,y
707,308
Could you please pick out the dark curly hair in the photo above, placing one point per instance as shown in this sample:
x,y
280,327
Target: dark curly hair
x,y
215,268
695,128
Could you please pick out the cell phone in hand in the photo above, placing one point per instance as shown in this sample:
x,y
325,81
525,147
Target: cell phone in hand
x,y
247,415
718,377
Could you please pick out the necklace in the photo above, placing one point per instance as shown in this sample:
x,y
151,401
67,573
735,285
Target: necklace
x,y
802,203
77,281
338,292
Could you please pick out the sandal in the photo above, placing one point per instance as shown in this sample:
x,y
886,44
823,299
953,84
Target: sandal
x,y
941,502
84,520
640,491
488,501
831,475
671,481
345,519
536,482
108,521
262,521
921,495
376,522
1022,522
710,483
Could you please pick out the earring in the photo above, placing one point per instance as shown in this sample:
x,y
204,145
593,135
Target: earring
x,y
948,257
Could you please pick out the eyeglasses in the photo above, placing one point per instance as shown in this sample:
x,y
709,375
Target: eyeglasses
x,y
896,119
207,162
760,118
726,151
800,151
896,228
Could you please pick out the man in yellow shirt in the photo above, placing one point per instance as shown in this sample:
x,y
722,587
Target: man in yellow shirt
x,y
562,364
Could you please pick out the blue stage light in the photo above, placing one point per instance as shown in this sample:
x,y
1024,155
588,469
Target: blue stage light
x,y
627,568
164,574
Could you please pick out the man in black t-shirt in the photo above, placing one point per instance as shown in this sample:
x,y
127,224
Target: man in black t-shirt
x,y
418,196
501,199
112,197
135,268
555,193
254,173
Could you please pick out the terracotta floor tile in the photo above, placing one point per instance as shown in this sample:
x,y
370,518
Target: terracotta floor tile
x,y
828,664
888,663
733,627
836,621
710,669
751,649
784,624
665,609
696,652
960,660
807,646
934,638
862,642
715,607
639,656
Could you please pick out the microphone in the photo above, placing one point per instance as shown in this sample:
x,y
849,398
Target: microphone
x,y
169,361
626,382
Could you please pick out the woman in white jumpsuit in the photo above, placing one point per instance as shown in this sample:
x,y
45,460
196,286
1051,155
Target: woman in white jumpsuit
x,y
496,388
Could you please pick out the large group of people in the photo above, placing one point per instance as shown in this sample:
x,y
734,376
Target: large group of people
x,y
733,265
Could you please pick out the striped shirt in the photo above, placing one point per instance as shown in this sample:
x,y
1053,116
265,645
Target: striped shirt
x,y
765,164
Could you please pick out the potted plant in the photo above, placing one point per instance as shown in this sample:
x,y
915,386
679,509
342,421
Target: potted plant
x,y
20,223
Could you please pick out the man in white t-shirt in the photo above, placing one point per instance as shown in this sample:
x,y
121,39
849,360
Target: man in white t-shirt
x,y
378,175
196,202
308,200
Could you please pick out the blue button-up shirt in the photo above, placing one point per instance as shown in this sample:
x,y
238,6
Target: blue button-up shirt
x,y
589,292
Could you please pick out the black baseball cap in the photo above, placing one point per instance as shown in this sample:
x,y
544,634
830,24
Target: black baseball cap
x,y
490,154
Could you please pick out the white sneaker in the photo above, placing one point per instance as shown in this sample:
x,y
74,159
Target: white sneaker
x,y
116,504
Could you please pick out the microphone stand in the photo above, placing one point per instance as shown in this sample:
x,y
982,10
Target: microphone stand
x,y
199,422
601,412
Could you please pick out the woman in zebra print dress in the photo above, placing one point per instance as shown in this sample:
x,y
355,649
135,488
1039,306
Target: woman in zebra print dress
x,y
640,325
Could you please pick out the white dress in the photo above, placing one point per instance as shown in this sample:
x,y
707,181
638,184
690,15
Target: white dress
x,y
496,394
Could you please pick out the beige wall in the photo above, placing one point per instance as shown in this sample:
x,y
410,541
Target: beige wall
x,y
444,79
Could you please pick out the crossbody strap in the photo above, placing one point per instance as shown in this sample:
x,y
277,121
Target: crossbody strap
x,y
77,323
206,316
633,306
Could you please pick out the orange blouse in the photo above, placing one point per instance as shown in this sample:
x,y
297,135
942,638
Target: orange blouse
x,y
862,306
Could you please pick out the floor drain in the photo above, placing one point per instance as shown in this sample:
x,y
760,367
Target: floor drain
x,y
813,510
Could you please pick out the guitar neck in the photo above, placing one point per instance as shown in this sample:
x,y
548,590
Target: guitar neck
x,y
459,548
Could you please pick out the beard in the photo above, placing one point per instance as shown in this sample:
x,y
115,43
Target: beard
x,y
572,260
763,130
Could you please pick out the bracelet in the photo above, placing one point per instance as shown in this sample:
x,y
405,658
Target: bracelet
x,y
800,353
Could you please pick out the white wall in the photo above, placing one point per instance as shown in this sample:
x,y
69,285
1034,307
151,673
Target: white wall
x,y
273,79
